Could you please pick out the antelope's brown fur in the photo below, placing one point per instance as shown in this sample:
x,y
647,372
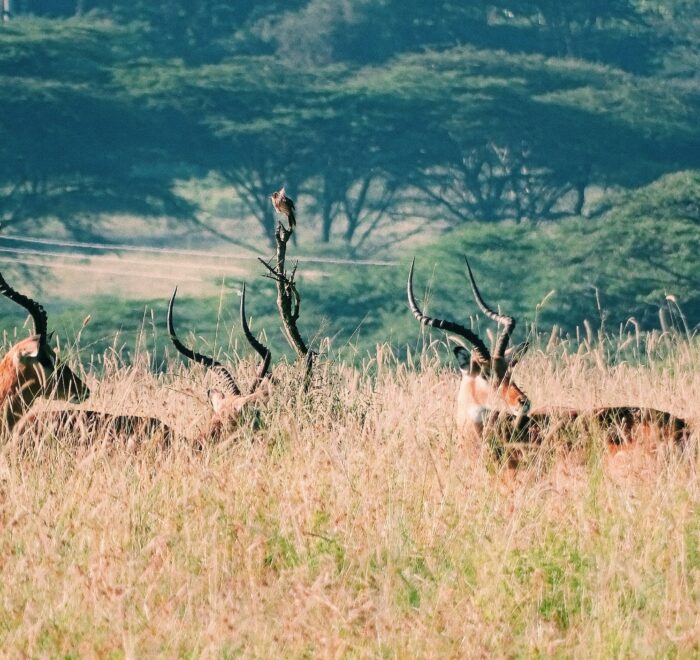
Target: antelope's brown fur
x,y
91,425
31,367
490,404
620,425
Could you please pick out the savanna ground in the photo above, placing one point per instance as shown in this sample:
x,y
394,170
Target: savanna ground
x,y
355,521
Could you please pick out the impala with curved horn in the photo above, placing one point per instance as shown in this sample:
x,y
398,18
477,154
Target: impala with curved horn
x,y
487,377
31,367
228,402
487,384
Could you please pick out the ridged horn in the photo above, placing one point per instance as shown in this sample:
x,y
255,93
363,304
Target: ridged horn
x,y
37,312
508,322
207,361
479,350
260,349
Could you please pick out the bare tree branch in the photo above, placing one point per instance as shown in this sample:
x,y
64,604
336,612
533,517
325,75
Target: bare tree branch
x,y
288,297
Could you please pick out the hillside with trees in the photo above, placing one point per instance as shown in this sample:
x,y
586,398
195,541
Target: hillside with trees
x,y
569,122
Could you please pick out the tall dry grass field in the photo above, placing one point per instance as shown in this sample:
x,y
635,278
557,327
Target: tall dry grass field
x,y
354,521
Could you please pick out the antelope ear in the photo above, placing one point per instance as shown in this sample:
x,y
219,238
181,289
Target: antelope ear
x,y
464,360
516,352
216,398
469,362
28,350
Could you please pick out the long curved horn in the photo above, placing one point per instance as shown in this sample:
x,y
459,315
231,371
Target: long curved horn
x,y
508,322
37,312
214,365
479,350
261,350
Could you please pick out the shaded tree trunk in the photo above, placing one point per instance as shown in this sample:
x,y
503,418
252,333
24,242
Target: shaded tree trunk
x,y
580,198
7,9
326,221
330,193
354,209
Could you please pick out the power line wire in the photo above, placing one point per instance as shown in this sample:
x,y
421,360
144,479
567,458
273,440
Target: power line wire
x,y
119,260
124,248
187,253
102,271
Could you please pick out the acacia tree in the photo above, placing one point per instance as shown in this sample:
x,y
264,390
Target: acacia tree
x,y
316,133
516,137
72,143
96,118
353,184
259,147
470,152
243,116
255,162
612,31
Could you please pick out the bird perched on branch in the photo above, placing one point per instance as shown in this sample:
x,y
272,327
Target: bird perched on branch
x,y
285,206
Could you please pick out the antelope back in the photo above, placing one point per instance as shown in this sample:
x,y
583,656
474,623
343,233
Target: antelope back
x,y
624,425
91,426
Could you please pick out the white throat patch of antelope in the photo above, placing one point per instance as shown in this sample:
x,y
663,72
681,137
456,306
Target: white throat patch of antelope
x,y
228,402
31,367
487,383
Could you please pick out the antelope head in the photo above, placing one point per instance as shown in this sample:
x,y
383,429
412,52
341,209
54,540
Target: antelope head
x,y
228,402
31,367
487,380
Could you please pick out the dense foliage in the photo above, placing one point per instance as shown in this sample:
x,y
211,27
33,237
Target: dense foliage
x,y
494,111
388,119
619,266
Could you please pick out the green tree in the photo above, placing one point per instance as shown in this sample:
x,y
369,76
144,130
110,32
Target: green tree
x,y
72,144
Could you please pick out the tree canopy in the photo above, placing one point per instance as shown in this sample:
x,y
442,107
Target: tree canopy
x,y
557,144
494,111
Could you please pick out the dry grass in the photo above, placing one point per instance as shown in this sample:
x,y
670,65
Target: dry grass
x,y
354,522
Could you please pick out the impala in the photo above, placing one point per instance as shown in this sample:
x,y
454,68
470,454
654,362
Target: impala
x,y
31,367
228,402
487,388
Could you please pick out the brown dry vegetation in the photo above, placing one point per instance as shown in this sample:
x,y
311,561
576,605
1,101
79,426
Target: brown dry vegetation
x,y
353,522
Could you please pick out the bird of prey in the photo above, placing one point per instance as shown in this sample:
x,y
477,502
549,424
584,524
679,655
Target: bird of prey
x,y
285,206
